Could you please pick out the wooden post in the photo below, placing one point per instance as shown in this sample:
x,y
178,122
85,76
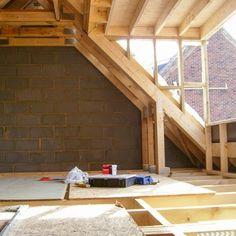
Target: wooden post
x,y
160,141
181,75
209,162
155,69
128,53
151,159
205,81
223,148
144,141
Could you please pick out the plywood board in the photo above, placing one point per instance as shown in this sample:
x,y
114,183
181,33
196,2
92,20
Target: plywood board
x,y
167,186
29,188
75,220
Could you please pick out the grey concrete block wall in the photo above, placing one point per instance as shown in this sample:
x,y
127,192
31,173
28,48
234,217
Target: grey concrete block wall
x,y
57,111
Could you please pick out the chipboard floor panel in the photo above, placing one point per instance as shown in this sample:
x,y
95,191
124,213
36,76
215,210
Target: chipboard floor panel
x,y
29,188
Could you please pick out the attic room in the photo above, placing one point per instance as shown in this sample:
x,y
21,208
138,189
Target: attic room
x,y
117,117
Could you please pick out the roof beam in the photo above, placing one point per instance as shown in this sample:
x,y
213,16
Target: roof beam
x,y
138,14
170,6
18,4
3,3
26,16
76,5
87,26
56,9
214,23
192,15
47,5
110,16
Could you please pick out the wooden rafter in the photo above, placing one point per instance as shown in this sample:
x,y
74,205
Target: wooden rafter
x,y
169,8
28,16
18,4
110,16
87,26
3,3
76,5
218,19
138,14
192,15
47,5
56,9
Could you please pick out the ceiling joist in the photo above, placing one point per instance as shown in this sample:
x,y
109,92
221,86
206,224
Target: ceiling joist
x,y
56,9
137,15
110,13
214,23
169,8
193,14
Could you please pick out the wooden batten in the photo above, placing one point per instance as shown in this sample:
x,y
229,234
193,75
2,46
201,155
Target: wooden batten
x,y
150,138
223,148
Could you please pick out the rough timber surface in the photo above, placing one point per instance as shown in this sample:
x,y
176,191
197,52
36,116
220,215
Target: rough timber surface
x,y
29,188
106,220
166,187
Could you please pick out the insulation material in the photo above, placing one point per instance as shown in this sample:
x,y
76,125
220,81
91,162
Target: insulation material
x,y
83,220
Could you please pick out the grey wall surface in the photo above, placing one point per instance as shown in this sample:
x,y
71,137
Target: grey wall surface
x,y
58,111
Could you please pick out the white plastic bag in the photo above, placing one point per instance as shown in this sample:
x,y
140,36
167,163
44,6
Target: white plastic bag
x,y
76,175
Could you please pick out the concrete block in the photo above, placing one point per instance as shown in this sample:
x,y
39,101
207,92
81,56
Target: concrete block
x,y
29,70
67,131
6,119
17,107
93,131
28,95
65,107
41,83
17,132
52,144
26,168
27,120
42,157
7,95
27,145
91,106
7,145
7,70
16,83
92,83
66,83
152,168
1,107
40,107
164,171
96,155
20,58
55,70
87,143
17,157
6,168
67,156
41,132
43,58
53,119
